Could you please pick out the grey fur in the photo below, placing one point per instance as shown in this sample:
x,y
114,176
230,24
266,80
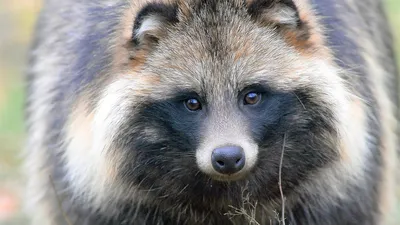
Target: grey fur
x,y
87,84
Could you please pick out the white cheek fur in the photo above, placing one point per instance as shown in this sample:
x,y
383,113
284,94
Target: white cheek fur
x,y
90,137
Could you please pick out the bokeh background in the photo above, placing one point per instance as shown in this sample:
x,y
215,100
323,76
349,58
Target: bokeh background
x,y
17,19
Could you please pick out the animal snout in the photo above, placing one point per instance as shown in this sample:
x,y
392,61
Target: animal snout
x,y
228,159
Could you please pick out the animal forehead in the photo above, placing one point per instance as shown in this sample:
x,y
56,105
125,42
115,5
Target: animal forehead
x,y
191,66
218,54
218,77
210,84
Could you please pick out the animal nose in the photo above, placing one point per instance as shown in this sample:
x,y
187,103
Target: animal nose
x,y
228,159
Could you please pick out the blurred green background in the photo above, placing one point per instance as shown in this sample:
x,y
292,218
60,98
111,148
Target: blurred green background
x,y
17,18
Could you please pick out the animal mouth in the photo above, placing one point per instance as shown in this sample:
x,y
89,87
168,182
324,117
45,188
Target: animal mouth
x,y
230,177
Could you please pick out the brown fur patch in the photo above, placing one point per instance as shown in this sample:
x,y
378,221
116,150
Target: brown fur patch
x,y
241,51
309,39
357,112
184,8
153,79
296,39
81,128
138,59
121,54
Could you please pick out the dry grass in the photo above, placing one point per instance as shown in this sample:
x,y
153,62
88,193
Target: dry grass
x,y
248,209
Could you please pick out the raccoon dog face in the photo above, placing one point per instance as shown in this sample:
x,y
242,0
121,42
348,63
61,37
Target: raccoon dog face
x,y
214,92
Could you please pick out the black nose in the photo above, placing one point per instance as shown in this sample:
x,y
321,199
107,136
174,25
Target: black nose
x,y
228,159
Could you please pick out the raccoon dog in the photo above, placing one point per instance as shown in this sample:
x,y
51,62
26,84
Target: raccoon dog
x,y
219,112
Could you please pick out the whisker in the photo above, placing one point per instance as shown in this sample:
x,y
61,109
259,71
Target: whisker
x,y
280,180
299,100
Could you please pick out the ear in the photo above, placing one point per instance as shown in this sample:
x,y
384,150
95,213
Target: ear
x,y
280,13
151,23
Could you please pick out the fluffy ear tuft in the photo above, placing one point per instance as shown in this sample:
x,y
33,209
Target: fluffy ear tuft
x,y
151,23
276,12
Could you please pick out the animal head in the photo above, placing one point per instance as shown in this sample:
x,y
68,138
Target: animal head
x,y
205,98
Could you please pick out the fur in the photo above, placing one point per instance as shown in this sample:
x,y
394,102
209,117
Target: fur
x,y
111,142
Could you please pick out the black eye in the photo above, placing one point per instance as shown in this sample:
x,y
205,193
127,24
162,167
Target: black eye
x,y
252,98
193,104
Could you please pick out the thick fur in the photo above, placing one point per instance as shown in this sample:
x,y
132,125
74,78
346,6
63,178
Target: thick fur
x,y
111,142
